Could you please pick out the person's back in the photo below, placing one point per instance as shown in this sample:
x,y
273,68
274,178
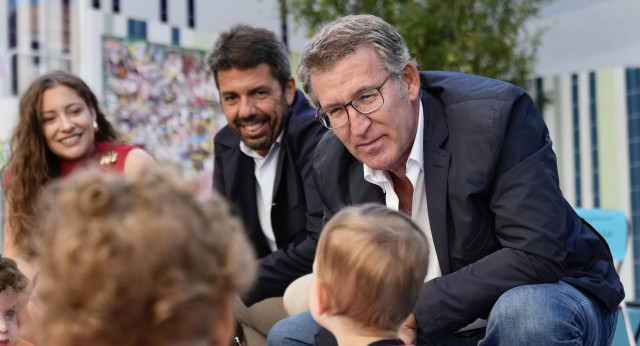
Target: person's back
x,y
370,266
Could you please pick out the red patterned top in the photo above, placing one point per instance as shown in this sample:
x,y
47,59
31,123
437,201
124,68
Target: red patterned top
x,y
108,154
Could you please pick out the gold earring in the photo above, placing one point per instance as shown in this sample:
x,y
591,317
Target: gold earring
x,y
95,126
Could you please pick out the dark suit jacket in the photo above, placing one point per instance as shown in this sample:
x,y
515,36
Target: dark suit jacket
x,y
497,215
296,212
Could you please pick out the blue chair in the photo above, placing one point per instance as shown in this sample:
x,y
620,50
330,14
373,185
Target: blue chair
x,y
613,227
621,338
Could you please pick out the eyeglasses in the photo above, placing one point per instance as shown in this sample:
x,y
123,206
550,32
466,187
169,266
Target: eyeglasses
x,y
365,103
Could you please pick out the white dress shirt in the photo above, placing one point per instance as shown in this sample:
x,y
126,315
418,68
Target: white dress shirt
x,y
415,174
265,172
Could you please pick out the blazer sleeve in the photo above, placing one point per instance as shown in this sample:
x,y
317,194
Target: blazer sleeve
x,y
524,217
277,270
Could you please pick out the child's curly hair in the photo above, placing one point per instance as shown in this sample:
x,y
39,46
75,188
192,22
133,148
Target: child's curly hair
x,y
142,263
10,276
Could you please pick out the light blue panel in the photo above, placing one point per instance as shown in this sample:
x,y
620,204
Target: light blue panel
x,y
612,225
620,334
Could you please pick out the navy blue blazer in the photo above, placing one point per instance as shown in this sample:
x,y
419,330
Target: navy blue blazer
x,y
497,215
296,212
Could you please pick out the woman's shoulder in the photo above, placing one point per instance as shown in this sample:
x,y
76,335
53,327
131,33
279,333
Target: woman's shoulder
x,y
134,160
119,155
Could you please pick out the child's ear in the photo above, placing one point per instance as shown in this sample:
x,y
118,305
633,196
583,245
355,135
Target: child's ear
x,y
323,297
224,326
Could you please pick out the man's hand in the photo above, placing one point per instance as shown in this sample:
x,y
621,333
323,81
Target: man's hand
x,y
408,331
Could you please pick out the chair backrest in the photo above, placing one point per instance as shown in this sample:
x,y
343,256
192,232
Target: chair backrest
x,y
612,225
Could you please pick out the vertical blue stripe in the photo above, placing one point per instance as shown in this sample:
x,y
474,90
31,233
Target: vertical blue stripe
x,y
633,123
191,13
576,138
137,29
593,114
175,36
539,93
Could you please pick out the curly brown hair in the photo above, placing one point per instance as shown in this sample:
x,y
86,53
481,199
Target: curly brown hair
x,y
139,263
31,164
10,276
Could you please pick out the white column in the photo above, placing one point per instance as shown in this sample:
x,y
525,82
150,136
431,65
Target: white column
x,y
42,37
86,37
25,68
586,157
51,45
551,109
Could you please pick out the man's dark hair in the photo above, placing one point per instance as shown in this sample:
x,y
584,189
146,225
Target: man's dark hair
x,y
245,47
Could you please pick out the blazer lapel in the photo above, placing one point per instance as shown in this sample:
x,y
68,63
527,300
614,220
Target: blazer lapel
x,y
281,152
241,190
436,171
360,190
238,169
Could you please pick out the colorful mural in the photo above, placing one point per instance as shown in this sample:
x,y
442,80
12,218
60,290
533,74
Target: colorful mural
x,y
164,99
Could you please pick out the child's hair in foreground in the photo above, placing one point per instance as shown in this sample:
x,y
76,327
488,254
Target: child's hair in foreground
x,y
10,276
372,261
140,263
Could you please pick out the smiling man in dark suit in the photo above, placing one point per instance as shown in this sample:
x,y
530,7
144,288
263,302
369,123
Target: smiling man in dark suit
x,y
263,164
470,159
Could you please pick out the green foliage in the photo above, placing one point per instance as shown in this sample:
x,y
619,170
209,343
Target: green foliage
x,y
484,37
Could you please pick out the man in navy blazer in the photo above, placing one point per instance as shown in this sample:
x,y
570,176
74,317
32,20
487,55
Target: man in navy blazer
x,y
470,159
263,162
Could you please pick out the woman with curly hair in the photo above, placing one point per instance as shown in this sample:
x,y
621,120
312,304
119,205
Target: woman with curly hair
x,y
137,263
60,129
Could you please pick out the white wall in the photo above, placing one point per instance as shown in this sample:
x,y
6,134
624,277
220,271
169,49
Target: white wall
x,y
177,11
9,116
210,16
158,33
587,35
140,10
219,16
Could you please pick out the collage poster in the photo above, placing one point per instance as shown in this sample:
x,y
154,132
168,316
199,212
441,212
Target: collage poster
x,y
164,99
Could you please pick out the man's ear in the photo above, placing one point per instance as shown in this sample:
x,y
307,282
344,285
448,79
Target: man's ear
x,y
411,79
290,90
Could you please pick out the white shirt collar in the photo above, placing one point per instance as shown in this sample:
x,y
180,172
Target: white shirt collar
x,y
259,159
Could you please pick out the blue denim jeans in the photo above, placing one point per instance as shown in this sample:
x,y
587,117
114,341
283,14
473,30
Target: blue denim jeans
x,y
546,314
549,314
299,329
